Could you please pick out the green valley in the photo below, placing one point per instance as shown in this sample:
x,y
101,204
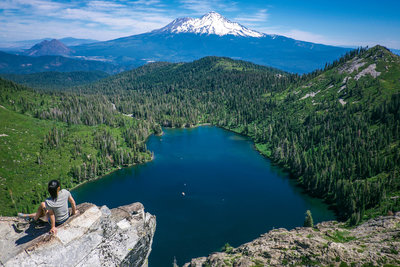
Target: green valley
x,y
337,130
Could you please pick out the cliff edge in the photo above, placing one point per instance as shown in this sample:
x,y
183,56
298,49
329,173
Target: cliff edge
x,y
97,236
373,243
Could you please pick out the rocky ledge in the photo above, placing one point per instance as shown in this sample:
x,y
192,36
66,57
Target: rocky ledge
x,y
97,236
374,243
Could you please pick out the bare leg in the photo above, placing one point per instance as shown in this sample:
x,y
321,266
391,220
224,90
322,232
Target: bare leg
x,y
41,212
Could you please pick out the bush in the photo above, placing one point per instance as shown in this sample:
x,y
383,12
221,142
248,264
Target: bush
x,y
227,248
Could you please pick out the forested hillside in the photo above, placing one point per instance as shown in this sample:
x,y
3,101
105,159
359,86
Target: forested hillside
x,y
337,130
10,63
212,89
69,137
52,80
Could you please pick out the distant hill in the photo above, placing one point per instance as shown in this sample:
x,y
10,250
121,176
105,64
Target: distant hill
x,y
188,39
48,48
55,80
19,46
17,64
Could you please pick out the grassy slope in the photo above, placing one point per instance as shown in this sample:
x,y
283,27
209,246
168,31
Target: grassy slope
x,y
21,174
27,163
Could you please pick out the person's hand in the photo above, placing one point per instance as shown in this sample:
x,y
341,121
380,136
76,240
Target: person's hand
x,y
53,231
76,213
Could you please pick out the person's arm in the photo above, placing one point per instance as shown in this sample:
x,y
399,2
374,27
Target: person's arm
x,y
53,229
73,205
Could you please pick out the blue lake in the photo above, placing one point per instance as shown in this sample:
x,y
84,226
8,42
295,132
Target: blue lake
x,y
232,193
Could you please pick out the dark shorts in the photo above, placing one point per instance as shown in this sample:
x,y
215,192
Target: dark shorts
x,y
58,223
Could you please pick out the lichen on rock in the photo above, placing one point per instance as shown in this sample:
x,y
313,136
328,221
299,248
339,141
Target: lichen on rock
x,y
373,243
97,236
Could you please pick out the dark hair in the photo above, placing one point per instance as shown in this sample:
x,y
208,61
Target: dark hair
x,y
52,187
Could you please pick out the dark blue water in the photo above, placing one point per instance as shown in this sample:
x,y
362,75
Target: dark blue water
x,y
232,194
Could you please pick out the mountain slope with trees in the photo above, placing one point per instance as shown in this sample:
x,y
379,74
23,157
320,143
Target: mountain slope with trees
x,y
52,80
74,138
336,129
18,64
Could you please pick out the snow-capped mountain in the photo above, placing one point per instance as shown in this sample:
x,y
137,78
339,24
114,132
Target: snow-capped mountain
x,y
211,23
187,39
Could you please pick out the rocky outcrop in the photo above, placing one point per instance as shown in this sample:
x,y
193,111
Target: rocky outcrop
x,y
374,243
97,236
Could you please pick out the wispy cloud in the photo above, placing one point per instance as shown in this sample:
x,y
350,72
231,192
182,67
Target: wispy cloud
x,y
33,5
146,2
259,16
104,5
322,39
99,19
200,7
108,19
308,36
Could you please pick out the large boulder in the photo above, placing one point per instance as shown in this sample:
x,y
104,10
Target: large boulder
x,y
97,236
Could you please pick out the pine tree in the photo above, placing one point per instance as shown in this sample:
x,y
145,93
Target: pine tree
x,y
308,221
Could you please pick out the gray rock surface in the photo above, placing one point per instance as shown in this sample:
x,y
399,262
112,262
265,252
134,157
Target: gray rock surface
x,y
97,236
373,243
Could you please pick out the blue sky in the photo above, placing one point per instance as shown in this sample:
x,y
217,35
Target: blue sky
x,y
347,23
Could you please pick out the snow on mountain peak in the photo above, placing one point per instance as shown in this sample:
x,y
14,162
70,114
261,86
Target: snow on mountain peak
x,y
210,23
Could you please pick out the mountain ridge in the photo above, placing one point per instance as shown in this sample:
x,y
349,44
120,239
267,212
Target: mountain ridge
x,y
20,46
187,39
48,48
20,64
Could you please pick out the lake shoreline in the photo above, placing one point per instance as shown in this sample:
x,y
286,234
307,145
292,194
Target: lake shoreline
x,y
110,172
213,158
292,176
255,147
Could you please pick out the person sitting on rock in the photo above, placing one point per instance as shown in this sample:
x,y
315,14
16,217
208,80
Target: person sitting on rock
x,y
54,208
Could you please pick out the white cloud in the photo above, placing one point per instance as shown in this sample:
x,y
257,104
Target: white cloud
x,y
197,6
108,19
327,40
259,16
104,5
306,36
98,19
146,2
39,5
201,7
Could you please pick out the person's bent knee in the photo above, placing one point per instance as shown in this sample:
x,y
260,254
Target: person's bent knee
x,y
43,205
